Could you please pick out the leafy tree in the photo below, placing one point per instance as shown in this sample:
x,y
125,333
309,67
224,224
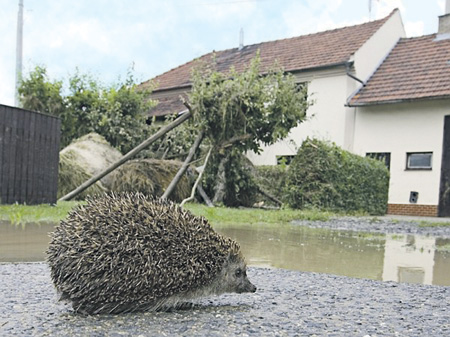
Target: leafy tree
x,y
240,112
38,93
117,112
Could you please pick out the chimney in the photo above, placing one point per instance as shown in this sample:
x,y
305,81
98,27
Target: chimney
x,y
444,21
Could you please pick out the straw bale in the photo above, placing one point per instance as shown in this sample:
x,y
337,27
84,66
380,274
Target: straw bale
x,y
151,177
82,159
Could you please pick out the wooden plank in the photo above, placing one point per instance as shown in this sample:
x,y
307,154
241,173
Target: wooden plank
x,y
20,147
31,158
9,157
25,163
36,160
2,150
2,146
47,165
54,159
6,153
39,177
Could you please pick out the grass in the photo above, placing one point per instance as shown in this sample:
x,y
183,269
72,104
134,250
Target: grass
x,y
443,248
433,224
20,214
226,216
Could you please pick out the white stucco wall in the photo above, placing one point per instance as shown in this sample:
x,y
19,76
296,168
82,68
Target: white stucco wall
x,y
401,128
372,53
328,89
329,119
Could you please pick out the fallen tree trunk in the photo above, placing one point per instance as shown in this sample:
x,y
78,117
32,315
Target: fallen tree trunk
x,y
198,181
185,116
184,167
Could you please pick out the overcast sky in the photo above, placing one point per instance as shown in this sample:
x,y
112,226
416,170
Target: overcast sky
x,y
107,37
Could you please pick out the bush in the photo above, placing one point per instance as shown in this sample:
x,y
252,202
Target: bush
x,y
272,179
240,187
324,176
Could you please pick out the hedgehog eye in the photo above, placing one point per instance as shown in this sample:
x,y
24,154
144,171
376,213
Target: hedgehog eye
x,y
238,273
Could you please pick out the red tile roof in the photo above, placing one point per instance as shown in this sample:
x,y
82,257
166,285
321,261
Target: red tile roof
x,y
417,68
317,50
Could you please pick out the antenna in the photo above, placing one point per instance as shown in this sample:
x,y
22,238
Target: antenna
x,y
241,39
370,9
19,51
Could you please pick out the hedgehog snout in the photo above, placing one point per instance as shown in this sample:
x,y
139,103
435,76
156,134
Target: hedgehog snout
x,y
248,287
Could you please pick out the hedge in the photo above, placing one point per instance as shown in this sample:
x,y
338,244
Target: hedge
x,y
324,176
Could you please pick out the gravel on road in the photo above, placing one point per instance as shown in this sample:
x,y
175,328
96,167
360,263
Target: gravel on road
x,y
380,225
287,303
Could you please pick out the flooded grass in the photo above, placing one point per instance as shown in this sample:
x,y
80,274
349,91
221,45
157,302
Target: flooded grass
x,y
22,214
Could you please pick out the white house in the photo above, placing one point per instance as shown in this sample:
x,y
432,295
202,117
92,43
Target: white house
x,y
340,67
403,115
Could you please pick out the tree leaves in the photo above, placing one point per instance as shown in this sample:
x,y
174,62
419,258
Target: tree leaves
x,y
117,112
230,105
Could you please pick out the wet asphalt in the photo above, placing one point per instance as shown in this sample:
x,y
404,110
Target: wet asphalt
x,y
287,303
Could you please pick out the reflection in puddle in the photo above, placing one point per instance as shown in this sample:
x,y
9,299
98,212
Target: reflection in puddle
x,y
392,257
24,243
402,258
409,258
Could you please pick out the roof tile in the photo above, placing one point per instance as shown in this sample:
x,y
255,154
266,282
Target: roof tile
x,y
417,68
293,54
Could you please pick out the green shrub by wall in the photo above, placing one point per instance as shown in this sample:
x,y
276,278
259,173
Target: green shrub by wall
x,y
324,176
272,178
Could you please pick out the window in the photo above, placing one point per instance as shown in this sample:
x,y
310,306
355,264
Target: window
x,y
419,160
385,157
284,160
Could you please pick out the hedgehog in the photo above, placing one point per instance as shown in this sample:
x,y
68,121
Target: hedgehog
x,y
130,252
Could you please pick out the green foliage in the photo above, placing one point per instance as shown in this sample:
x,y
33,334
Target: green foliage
x,y
241,112
116,112
324,176
260,109
175,144
240,187
272,179
38,93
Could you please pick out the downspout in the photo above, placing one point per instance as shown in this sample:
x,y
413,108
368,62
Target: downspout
x,y
347,67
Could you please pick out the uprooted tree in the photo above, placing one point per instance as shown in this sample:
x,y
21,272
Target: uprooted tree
x,y
240,112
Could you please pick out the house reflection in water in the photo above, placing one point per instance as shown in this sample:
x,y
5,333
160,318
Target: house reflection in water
x,y
409,258
392,257
416,259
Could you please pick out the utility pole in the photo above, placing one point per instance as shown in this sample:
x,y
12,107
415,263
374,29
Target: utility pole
x,y
19,51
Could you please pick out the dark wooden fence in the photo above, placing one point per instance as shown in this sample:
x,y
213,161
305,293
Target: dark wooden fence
x,y
29,155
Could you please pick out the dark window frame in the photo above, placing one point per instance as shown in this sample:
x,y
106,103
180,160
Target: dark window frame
x,y
418,168
384,157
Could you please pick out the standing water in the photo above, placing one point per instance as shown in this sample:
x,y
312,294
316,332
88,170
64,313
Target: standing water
x,y
391,257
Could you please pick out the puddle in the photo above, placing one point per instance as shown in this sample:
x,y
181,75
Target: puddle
x,y
392,257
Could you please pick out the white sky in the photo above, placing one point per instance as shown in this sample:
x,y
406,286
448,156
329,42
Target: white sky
x,y
107,37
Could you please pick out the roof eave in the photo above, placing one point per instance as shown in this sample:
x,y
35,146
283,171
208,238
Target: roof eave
x,y
397,101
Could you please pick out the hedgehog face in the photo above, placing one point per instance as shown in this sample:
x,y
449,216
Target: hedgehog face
x,y
233,277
